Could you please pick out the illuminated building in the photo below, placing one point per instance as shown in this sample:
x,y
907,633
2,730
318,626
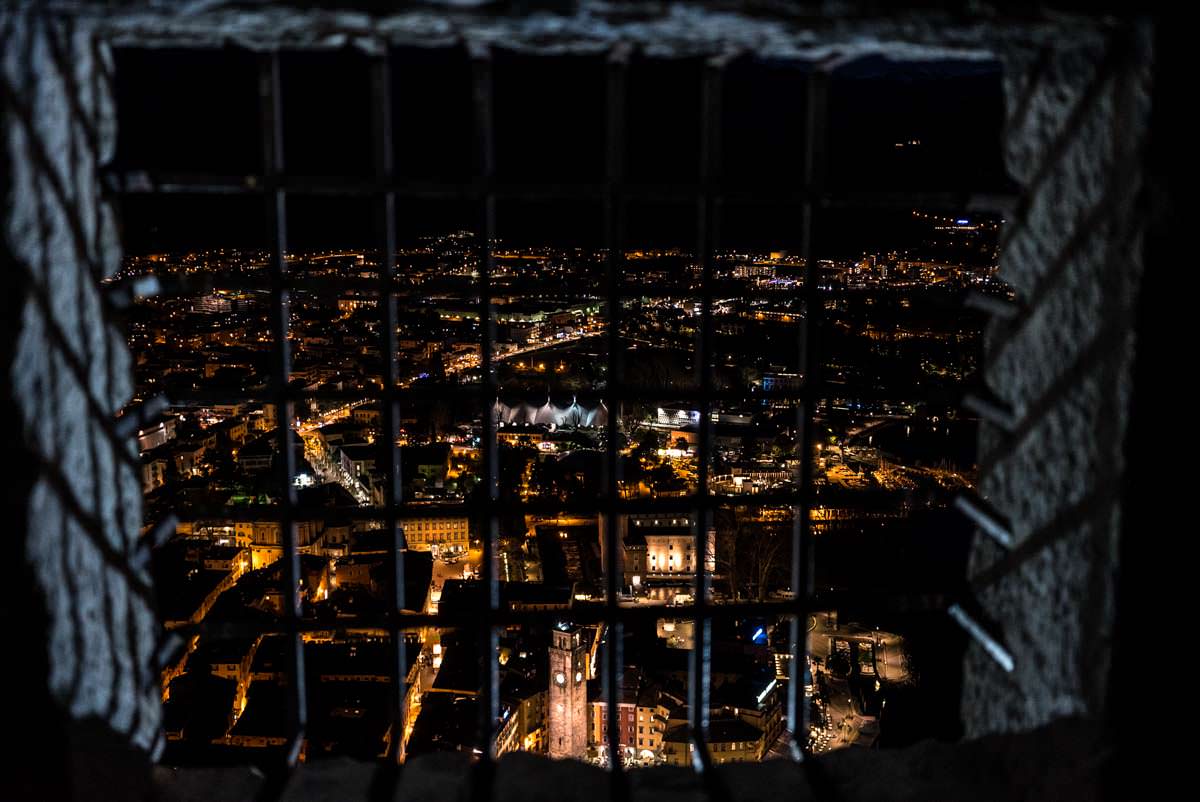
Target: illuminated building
x,y
438,535
568,708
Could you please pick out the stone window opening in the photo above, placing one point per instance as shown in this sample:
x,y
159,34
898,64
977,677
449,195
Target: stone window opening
x,y
81,528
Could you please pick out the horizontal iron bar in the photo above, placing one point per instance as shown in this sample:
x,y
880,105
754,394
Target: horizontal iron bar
x,y
991,645
158,535
597,613
159,746
169,649
999,308
415,509
136,416
628,290
140,182
1002,203
124,292
985,517
268,396
990,408
692,392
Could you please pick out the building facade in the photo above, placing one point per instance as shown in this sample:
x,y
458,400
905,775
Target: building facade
x,y
438,535
568,708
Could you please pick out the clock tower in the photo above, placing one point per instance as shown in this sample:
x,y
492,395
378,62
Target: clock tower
x,y
568,693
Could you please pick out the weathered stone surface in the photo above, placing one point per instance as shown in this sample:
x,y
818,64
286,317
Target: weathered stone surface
x,y
1097,290
1061,647
341,778
1062,206
1067,68
1066,371
805,30
1049,763
233,784
445,776
69,373
1067,454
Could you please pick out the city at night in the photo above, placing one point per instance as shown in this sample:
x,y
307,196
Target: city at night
x,y
540,401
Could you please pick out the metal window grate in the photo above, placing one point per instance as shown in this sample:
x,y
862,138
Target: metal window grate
x,y
709,195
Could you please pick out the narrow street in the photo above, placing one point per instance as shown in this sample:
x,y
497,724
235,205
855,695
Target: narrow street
x,y
328,472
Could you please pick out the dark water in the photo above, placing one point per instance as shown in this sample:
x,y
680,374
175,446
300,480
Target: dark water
x,y
924,553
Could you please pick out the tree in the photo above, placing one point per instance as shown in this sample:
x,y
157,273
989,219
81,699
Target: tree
x,y
782,447
218,463
514,461
665,479
839,665
187,427
543,477
752,554
749,448
647,448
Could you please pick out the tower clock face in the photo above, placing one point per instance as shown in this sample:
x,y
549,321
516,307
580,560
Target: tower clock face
x,y
560,678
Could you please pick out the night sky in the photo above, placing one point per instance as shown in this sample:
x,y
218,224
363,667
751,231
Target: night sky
x,y
197,112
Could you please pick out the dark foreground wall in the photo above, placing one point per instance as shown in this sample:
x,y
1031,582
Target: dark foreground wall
x,y
81,611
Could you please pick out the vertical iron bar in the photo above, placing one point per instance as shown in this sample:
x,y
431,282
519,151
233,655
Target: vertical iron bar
x,y
707,223
816,130
489,691
271,117
381,97
616,74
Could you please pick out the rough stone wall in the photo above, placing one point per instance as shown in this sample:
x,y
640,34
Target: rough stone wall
x,y
1076,119
67,373
1049,764
808,29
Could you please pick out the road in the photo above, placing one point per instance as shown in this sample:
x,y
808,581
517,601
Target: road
x,y
472,361
328,472
428,662
461,568
890,665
